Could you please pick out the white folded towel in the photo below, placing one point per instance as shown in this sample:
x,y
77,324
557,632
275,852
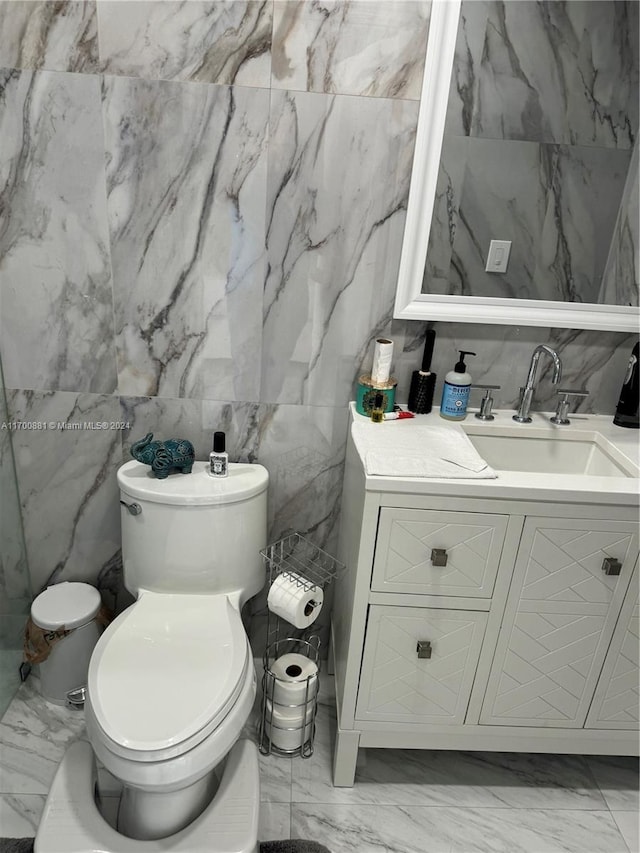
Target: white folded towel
x,y
406,449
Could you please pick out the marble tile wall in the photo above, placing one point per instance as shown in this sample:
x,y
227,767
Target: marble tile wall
x,y
201,237
207,203
542,119
622,271
14,573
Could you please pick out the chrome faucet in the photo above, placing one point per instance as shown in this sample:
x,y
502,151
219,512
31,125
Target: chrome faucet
x,y
527,392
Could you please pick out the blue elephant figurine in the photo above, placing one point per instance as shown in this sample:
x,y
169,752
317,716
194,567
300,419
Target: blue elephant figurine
x,y
175,454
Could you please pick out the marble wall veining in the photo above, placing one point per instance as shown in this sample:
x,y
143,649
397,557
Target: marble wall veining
x,y
57,302
622,271
338,182
198,41
546,72
350,48
542,118
207,203
186,193
38,34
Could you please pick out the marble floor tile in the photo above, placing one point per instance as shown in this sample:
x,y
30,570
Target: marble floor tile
x,y
629,829
274,821
404,801
617,778
20,814
447,778
396,829
34,735
275,779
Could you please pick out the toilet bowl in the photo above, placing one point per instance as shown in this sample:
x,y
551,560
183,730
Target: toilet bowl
x,y
171,681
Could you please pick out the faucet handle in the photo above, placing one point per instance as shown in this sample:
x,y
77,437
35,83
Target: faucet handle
x,y
486,404
560,418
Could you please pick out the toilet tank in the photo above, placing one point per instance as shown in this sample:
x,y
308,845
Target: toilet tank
x,y
194,533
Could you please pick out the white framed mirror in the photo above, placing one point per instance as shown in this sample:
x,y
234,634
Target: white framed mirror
x,y
568,251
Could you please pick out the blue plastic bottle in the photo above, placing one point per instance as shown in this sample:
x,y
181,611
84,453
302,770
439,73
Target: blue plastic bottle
x,y
455,396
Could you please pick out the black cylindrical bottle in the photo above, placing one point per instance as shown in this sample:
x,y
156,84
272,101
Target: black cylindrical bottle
x,y
627,409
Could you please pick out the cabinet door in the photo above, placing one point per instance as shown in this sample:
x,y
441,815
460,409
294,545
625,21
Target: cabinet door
x,y
615,704
558,622
404,559
397,685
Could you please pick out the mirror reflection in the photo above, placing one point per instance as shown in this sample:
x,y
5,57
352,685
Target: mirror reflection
x,y
540,151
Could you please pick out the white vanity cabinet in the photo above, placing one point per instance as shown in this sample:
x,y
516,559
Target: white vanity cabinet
x,y
615,703
472,616
559,619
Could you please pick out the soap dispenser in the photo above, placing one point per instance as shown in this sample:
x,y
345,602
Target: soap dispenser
x,y
455,396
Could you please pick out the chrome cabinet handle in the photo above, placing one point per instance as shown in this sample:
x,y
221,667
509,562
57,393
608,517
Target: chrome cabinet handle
x,y
439,557
423,649
611,566
134,508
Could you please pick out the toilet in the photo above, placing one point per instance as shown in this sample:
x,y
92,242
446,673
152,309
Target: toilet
x,y
171,681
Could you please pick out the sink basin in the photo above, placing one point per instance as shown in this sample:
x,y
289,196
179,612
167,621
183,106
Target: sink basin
x,y
547,454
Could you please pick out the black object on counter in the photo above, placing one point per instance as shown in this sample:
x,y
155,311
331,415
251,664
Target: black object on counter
x,y
423,381
627,409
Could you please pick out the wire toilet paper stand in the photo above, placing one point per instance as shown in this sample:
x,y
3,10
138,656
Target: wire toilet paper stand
x,y
289,700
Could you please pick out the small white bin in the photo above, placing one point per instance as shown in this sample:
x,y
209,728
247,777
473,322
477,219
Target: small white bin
x,y
71,606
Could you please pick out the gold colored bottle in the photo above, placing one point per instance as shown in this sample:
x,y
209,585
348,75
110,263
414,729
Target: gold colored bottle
x,y
377,410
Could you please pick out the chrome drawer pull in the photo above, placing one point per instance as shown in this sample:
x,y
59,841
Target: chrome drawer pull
x,y
423,649
611,566
438,557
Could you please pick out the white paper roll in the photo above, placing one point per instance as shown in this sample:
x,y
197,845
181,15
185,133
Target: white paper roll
x,y
290,683
285,732
382,355
293,601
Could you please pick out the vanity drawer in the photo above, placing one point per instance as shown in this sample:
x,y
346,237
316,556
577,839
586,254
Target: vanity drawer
x,y
401,683
408,539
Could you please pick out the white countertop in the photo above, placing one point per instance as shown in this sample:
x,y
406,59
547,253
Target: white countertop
x,y
622,445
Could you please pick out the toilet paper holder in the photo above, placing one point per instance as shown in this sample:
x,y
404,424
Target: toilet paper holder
x,y
306,566
289,704
297,556
288,727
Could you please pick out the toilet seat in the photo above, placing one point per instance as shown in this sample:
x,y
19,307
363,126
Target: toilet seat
x,y
166,673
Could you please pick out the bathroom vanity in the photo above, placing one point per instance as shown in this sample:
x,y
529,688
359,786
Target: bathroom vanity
x,y
497,614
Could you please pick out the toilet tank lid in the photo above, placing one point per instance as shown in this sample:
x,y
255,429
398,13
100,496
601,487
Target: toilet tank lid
x,y
67,604
199,487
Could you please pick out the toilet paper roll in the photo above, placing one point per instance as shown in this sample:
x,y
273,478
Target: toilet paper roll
x,y
289,689
293,601
382,355
285,732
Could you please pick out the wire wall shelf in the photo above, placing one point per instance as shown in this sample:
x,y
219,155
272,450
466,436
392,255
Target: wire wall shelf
x,y
291,678
306,562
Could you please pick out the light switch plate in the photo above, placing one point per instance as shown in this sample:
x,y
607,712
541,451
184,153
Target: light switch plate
x,y
498,256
